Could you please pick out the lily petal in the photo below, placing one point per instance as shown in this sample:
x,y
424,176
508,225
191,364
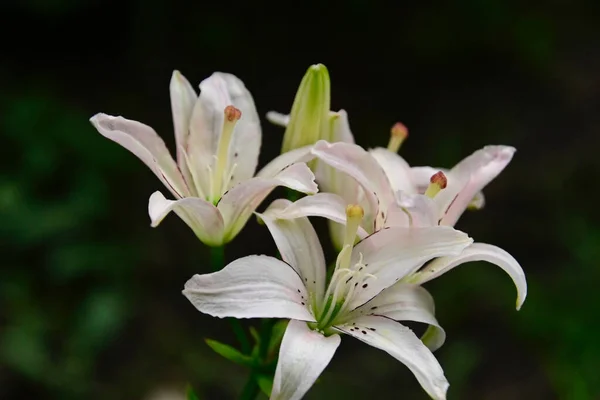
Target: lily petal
x,y
183,98
341,127
402,344
238,204
326,205
299,246
145,143
421,210
279,163
470,176
396,169
250,287
393,253
277,118
360,165
303,356
406,302
476,252
200,215
217,92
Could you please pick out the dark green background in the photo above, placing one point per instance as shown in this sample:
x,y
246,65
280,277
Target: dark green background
x,y
90,303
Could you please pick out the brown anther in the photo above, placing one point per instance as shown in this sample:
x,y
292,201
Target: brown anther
x,y
399,130
439,178
232,113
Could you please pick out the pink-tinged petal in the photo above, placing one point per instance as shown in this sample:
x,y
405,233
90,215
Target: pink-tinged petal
x,y
396,169
200,215
402,344
476,252
393,253
326,205
238,204
422,211
360,165
250,287
406,302
468,177
281,162
145,143
299,246
303,356
217,92
183,98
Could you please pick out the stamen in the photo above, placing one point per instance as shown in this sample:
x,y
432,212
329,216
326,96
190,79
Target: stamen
x,y
229,178
399,133
194,174
232,115
437,182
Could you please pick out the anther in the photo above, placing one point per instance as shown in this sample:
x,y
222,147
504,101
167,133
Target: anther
x,y
398,134
437,182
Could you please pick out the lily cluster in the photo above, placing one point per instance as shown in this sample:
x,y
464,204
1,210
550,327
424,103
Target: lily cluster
x,y
393,224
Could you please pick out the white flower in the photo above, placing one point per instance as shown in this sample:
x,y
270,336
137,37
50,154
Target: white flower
x,y
362,298
389,190
218,137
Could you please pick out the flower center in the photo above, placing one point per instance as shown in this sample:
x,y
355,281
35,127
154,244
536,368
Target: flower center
x,y
346,278
220,176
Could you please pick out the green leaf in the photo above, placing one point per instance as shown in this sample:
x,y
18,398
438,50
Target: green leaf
x,y
277,334
230,353
265,383
190,394
255,335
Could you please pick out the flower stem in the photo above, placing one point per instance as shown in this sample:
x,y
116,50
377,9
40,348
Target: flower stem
x,y
250,390
265,337
217,260
217,257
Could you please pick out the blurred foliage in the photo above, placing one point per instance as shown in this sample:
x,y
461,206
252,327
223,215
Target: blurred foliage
x,y
90,295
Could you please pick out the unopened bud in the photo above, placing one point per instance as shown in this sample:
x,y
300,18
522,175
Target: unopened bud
x,y
309,120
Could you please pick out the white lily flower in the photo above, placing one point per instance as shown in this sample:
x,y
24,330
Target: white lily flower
x,y
390,202
360,299
218,140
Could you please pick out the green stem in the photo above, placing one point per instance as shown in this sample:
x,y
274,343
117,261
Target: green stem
x,y
217,257
217,260
240,334
265,338
250,390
